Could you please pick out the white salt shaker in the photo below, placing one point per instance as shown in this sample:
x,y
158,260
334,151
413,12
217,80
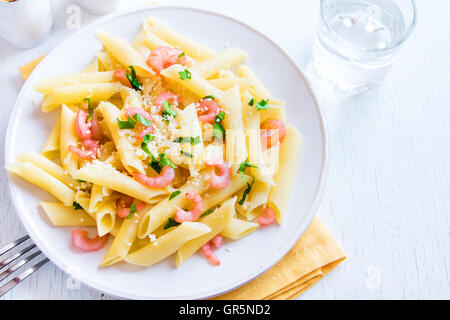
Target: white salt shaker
x,y
25,23
99,6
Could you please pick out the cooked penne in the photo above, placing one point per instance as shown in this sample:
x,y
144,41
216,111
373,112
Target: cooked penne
x,y
216,221
75,94
107,176
124,52
224,60
106,216
196,84
51,146
98,196
238,229
43,180
167,244
191,48
284,179
48,85
130,159
69,137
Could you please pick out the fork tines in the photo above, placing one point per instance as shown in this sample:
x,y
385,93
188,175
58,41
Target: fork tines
x,y
11,263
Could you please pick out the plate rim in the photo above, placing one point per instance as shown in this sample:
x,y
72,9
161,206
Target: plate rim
x,y
311,211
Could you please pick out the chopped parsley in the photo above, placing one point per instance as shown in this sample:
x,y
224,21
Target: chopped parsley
x,y
209,211
262,105
133,209
77,206
81,181
161,162
218,129
246,191
90,108
168,111
244,165
130,123
181,55
186,74
186,154
209,97
174,194
171,223
134,81
191,140
144,145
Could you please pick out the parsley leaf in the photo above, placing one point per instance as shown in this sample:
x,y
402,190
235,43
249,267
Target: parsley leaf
x,y
163,161
90,108
218,129
144,145
168,111
209,211
81,181
128,124
246,191
77,206
186,74
263,105
251,102
134,81
191,140
209,97
133,209
186,154
244,165
174,194
171,223
142,120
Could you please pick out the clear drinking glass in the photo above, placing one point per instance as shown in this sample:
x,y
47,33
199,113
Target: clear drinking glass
x,y
358,40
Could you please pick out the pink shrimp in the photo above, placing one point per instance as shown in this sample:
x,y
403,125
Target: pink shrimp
x,y
198,208
221,180
164,57
217,241
148,130
123,205
207,110
271,130
130,112
267,217
81,240
95,128
81,125
121,75
169,96
89,150
163,180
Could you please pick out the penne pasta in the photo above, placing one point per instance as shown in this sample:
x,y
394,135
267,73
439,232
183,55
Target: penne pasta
x,y
284,179
62,216
75,94
46,86
224,60
237,229
216,221
166,245
69,137
123,52
191,48
51,146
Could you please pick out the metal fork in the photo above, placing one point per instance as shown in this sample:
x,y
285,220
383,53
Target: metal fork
x,y
14,264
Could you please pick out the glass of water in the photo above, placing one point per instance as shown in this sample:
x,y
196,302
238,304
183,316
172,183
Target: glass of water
x,y
358,40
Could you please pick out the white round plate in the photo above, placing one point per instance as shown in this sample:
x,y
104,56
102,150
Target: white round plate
x,y
249,257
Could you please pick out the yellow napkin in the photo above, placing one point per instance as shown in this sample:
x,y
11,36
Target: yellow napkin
x,y
311,258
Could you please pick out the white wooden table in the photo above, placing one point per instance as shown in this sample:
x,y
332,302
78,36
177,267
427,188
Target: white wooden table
x,y
388,195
